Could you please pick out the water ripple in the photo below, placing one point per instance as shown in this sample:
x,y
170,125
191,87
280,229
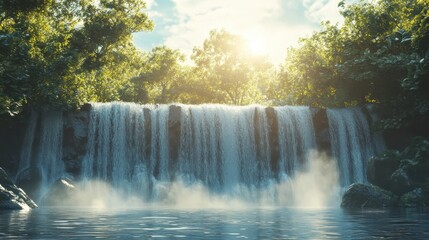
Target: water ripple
x,y
280,223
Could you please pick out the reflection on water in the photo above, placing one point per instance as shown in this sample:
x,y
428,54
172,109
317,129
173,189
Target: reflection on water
x,y
255,223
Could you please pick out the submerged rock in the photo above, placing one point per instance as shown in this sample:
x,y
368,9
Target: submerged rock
x,y
12,197
360,195
62,193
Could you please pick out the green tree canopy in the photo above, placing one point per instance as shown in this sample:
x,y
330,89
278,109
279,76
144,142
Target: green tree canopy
x,y
380,54
227,72
58,53
161,76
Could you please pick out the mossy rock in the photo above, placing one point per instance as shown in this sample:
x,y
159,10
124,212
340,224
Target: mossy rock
x,y
360,195
418,197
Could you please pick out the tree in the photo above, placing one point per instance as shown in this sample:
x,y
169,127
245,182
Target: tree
x,y
379,55
161,75
58,53
309,73
227,72
394,65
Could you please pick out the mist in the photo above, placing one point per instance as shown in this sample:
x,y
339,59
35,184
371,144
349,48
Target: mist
x,y
316,186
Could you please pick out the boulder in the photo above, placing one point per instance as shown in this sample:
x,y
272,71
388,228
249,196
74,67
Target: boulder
x,y
380,169
360,195
401,181
417,170
12,197
401,171
418,197
62,193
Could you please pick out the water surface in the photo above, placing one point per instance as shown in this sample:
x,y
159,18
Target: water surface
x,y
254,223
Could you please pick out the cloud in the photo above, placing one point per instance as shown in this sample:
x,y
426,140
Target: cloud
x,y
184,24
149,3
320,10
257,19
163,14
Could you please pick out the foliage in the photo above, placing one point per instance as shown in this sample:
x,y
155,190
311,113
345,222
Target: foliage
x,y
161,75
379,55
310,72
227,72
416,152
62,53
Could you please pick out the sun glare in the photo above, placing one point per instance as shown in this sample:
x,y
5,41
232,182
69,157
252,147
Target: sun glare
x,y
257,46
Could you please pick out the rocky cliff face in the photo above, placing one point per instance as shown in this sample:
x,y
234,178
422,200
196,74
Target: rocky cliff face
x,y
75,139
12,130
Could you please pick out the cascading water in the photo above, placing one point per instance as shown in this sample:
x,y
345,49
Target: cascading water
x,y
252,153
42,148
49,152
26,151
296,136
228,149
352,143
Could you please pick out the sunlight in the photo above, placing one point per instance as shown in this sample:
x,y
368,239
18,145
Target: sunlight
x,y
257,46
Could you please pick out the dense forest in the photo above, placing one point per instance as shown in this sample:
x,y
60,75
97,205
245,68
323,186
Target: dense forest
x,y
62,54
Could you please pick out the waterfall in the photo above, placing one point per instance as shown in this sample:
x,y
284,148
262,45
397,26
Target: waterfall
x,y
246,151
222,147
42,149
352,143
27,145
296,136
49,152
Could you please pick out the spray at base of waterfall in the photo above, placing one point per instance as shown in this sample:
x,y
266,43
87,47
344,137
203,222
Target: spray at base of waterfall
x,y
315,187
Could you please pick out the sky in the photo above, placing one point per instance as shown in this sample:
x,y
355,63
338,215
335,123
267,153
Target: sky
x,y
269,26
